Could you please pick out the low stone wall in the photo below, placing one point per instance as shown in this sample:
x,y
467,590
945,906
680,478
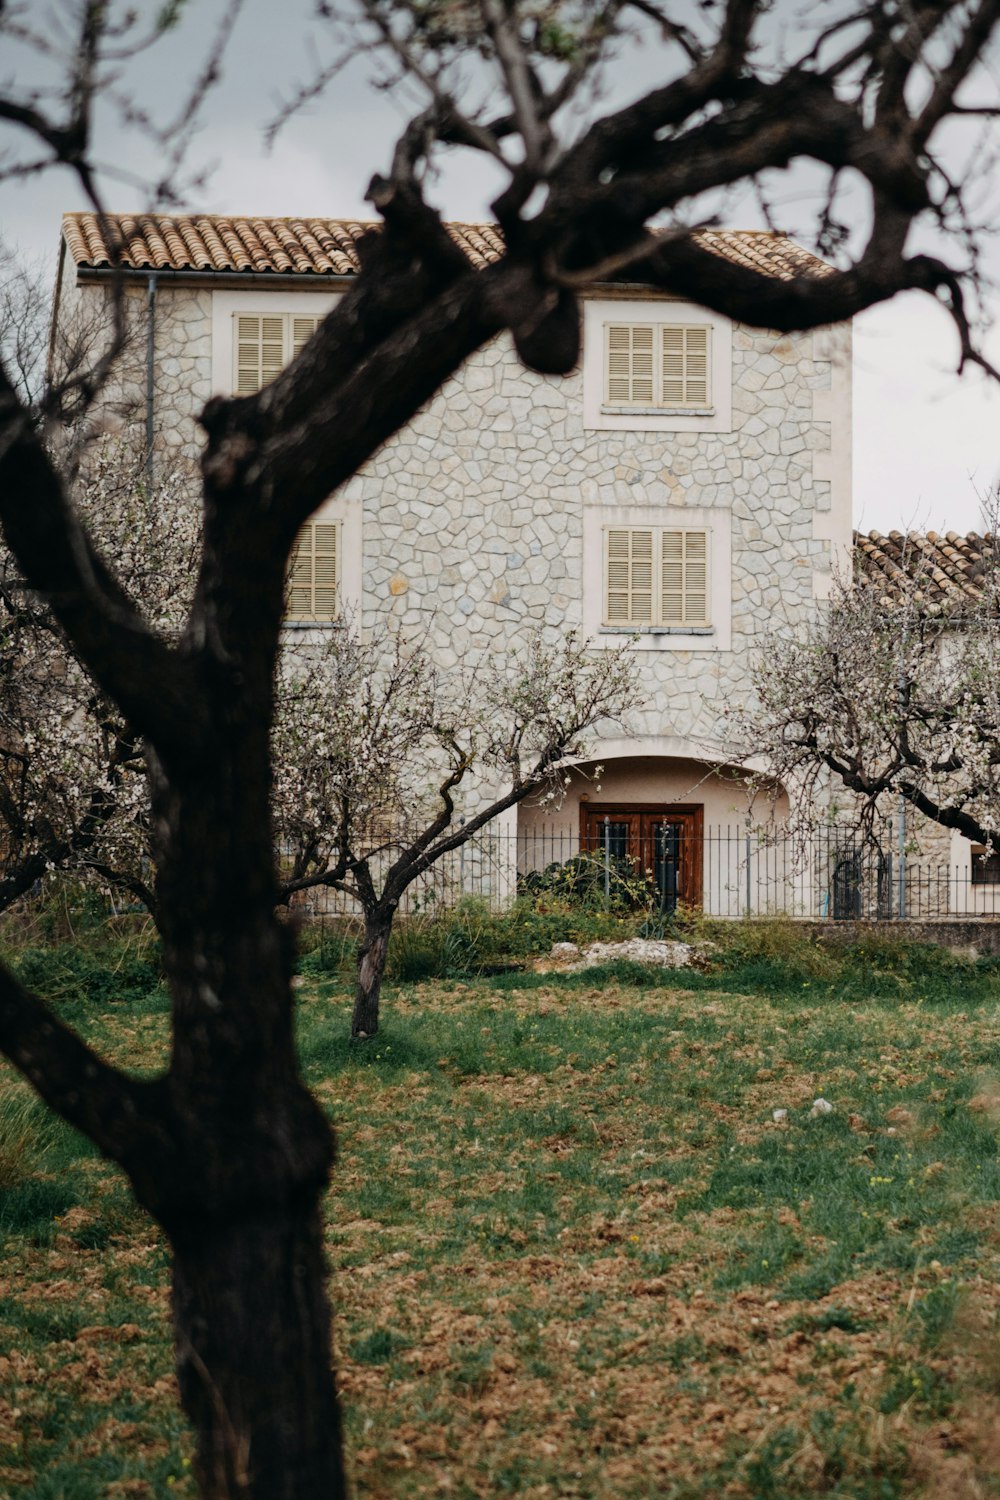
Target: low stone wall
x,y
965,937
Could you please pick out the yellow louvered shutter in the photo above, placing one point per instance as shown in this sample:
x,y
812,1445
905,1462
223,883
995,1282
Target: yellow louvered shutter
x,y
684,370
663,365
260,351
313,574
629,376
696,391
302,331
629,593
325,563
695,578
672,578
683,578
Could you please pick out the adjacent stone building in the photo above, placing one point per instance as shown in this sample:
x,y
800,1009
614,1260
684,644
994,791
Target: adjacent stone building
x,y
687,487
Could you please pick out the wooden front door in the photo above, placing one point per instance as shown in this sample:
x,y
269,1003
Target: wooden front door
x,y
664,842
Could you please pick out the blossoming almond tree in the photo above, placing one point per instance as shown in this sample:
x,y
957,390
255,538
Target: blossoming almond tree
x,y
227,1149
894,693
73,792
373,745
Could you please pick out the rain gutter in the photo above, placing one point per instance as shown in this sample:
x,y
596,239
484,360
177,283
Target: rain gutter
x,y
313,280
150,369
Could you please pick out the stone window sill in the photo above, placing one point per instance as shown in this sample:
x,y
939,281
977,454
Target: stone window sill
x,y
657,629
312,624
657,411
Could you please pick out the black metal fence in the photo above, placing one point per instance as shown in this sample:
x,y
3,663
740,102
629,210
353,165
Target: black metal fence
x,y
659,863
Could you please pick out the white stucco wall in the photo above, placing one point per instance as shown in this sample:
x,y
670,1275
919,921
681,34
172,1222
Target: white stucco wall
x,y
654,773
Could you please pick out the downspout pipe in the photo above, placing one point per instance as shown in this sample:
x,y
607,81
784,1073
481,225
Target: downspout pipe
x,y
50,359
150,369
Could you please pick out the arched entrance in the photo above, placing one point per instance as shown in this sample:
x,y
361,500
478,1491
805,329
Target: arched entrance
x,y
678,821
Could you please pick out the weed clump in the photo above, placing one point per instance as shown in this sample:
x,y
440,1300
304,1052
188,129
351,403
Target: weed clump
x,y
26,1131
117,974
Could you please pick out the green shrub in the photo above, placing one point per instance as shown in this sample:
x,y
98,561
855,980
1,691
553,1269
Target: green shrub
x,y
588,880
893,953
470,940
76,973
67,910
417,950
775,943
329,947
770,954
29,1146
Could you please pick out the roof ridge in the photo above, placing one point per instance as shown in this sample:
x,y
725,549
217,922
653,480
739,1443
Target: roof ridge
x,y
152,240
258,215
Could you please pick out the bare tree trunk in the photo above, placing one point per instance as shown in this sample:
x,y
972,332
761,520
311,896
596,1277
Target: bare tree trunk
x,y
251,1324
371,966
240,1200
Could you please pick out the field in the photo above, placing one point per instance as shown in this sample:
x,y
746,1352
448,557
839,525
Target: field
x,y
572,1252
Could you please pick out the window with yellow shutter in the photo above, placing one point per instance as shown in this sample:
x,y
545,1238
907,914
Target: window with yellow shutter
x,y
314,574
260,351
265,343
629,592
655,576
303,329
657,366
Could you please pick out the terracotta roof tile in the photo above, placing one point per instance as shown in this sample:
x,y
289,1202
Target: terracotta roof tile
x,y
324,247
948,569
759,250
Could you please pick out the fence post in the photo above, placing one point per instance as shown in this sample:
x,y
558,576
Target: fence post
x,y
749,903
461,863
607,862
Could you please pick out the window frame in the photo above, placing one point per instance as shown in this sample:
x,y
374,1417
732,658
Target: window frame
x,y
657,587
344,509
610,406
292,341
662,311
316,621
716,521
985,868
257,302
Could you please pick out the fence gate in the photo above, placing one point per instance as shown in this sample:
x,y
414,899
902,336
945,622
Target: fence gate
x,y
861,884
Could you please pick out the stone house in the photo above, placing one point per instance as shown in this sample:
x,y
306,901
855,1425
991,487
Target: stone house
x,y
689,485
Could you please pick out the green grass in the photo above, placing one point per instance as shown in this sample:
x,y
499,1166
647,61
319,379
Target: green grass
x,y
572,1253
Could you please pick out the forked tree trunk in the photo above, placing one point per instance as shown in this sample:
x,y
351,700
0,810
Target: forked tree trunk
x,y
372,955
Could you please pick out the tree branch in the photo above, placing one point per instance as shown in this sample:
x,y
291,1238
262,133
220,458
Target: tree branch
x,y
121,1115
155,687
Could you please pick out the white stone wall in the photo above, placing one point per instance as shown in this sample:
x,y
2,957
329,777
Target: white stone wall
x,y
474,517
182,364
474,521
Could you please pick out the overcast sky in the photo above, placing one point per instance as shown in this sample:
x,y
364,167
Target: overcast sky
x,y
926,444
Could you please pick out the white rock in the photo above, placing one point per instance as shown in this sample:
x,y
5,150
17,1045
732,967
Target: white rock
x,y
821,1107
640,951
564,950
777,1115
